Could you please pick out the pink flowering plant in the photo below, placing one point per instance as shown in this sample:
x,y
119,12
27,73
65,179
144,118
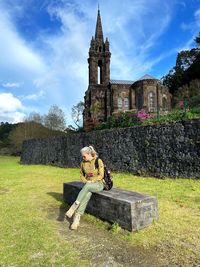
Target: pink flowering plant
x,y
181,104
143,115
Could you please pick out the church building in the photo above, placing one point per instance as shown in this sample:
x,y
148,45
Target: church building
x,y
105,96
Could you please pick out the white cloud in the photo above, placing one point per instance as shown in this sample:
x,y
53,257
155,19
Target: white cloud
x,y
16,117
186,26
19,60
10,85
194,25
8,102
197,17
37,96
11,108
67,75
15,52
12,117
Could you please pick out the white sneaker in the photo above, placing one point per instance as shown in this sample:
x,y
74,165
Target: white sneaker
x,y
72,209
76,221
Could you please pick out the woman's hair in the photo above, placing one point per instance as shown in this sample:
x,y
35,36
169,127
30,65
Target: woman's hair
x,y
89,150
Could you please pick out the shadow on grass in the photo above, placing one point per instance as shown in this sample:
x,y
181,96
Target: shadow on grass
x,y
63,207
57,196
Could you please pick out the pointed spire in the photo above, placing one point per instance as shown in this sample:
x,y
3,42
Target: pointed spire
x,y
99,31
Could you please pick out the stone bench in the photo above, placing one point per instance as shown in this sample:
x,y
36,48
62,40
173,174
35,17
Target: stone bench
x,y
131,210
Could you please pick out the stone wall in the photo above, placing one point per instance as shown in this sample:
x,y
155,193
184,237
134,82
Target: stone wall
x,y
161,150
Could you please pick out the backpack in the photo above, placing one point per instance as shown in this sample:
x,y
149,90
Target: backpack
x,y
107,179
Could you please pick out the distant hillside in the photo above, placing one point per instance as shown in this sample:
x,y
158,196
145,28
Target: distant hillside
x,y
13,135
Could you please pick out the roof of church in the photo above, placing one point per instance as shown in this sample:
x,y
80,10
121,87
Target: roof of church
x,y
121,82
147,77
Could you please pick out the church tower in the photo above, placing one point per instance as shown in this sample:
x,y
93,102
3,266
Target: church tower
x,y
99,57
96,97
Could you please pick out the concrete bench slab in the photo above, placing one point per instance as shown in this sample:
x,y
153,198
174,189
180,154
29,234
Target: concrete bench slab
x,y
131,210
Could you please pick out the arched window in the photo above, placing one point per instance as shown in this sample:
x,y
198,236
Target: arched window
x,y
151,102
126,103
99,72
119,103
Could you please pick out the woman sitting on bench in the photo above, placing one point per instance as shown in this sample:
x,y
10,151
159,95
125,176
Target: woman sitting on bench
x,y
93,179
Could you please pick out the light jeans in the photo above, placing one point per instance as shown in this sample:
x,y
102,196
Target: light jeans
x,y
86,193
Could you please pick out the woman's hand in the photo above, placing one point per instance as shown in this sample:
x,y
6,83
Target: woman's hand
x,y
90,175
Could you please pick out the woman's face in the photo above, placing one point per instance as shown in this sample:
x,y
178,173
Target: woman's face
x,y
86,156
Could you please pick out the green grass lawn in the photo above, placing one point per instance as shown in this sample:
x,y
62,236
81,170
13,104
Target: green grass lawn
x,y
29,238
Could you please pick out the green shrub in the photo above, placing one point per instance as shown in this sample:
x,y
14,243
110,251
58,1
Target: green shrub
x,y
173,116
196,110
128,119
195,101
115,228
120,119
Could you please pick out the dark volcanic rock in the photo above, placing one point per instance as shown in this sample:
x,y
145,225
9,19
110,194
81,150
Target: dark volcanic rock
x,y
160,150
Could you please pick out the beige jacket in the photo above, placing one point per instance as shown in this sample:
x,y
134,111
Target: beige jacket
x,y
89,167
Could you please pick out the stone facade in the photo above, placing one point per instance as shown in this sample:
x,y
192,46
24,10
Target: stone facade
x,y
105,96
161,150
131,210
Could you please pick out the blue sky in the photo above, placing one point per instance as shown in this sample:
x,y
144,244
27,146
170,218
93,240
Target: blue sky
x,y
44,47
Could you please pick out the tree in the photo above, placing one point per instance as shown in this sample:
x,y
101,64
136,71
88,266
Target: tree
x,y
189,92
77,114
197,40
34,117
186,68
5,129
55,119
192,72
